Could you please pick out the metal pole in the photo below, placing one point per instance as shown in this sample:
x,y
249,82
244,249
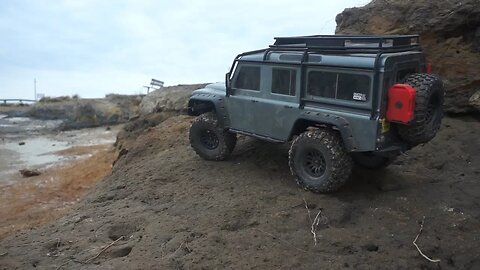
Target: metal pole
x,y
35,89
148,89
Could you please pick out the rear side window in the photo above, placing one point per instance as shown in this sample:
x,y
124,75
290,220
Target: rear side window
x,y
284,81
322,84
353,87
344,86
248,78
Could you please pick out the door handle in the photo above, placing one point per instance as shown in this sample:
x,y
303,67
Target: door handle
x,y
287,107
253,100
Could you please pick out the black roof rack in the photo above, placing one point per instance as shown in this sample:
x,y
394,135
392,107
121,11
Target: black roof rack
x,y
348,43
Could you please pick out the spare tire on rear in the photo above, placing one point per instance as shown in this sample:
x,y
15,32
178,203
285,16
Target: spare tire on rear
x,y
428,109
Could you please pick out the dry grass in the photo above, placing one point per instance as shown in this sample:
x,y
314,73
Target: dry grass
x,y
35,201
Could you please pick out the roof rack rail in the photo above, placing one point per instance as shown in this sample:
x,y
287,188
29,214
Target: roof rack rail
x,y
348,42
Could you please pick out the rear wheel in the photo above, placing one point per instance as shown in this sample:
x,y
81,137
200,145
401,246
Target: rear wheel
x,y
428,109
209,140
319,162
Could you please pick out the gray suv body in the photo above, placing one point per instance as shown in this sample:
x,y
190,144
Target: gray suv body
x,y
337,84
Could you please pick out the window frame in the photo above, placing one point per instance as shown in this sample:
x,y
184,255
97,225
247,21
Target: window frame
x,y
291,92
334,101
238,69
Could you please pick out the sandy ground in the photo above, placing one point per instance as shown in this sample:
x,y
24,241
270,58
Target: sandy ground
x,y
163,207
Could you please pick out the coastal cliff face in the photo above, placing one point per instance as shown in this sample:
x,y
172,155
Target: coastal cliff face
x,y
450,36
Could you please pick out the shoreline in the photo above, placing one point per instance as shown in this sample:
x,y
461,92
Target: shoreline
x,y
70,162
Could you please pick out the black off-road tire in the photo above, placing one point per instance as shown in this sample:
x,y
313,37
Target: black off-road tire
x,y
319,161
209,140
428,109
371,161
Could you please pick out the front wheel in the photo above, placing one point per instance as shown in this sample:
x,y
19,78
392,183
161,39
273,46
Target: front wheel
x,y
319,161
209,140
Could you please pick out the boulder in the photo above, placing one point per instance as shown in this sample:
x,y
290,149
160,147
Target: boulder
x,y
450,36
172,98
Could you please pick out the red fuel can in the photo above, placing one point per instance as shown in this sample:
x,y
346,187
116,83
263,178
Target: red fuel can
x,y
401,103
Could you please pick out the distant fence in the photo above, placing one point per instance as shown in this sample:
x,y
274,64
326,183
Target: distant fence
x,y
15,100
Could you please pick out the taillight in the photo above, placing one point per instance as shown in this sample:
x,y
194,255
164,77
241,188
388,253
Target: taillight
x,y
429,68
401,103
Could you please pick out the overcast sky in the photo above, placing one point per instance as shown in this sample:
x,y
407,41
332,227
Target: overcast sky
x,y
93,47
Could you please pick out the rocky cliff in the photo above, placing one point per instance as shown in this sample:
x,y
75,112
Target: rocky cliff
x,y
82,113
450,36
171,98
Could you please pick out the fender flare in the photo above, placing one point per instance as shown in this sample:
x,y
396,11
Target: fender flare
x,y
218,105
338,122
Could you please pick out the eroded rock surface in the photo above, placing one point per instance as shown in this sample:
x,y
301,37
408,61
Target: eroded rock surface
x,y
172,98
450,35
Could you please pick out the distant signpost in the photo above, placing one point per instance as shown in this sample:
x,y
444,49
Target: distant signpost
x,y
154,84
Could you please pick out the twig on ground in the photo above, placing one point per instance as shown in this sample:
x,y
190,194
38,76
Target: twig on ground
x,y
162,247
415,244
178,248
187,247
63,264
281,240
315,223
308,210
3,254
105,248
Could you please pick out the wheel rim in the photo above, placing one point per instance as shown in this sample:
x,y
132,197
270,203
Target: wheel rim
x,y
314,163
209,139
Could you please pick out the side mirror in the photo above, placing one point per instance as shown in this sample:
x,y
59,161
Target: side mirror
x,y
227,84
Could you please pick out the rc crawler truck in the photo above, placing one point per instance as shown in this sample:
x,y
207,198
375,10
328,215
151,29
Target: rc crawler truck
x,y
339,100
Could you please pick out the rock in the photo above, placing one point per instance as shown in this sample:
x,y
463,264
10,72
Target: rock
x,y
21,143
172,98
449,32
370,247
474,100
29,173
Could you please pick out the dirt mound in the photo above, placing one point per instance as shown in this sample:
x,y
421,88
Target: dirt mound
x,y
169,209
450,35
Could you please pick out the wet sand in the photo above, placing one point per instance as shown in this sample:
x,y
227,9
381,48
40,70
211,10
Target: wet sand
x,y
69,162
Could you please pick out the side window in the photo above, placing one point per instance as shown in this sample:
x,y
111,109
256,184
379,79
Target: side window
x,y
284,81
350,87
353,87
248,78
322,84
